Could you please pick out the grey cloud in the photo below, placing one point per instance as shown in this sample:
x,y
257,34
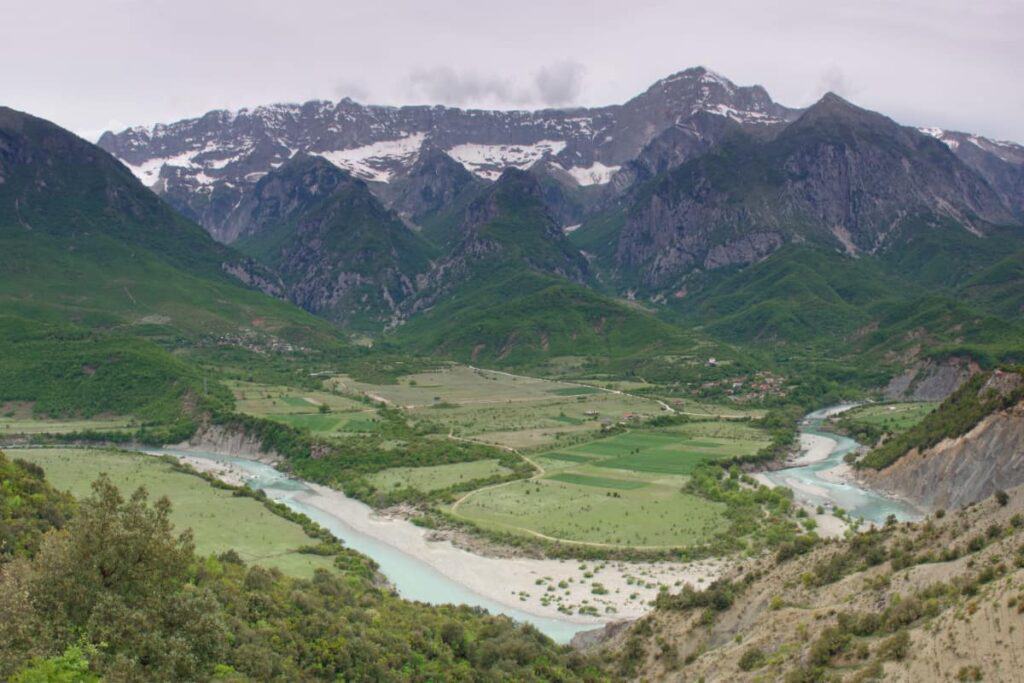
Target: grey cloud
x,y
834,79
357,91
560,84
552,85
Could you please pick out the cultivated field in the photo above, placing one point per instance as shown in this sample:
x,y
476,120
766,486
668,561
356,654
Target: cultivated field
x,y
624,490
501,409
16,418
895,417
321,412
437,477
218,519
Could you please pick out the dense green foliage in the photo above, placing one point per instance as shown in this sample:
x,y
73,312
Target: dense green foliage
x,y
65,371
119,594
82,240
521,317
29,507
957,415
396,442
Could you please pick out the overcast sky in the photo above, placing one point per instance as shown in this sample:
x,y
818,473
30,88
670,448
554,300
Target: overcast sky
x,y
97,64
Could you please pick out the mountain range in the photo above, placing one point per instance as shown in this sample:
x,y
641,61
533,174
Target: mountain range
x,y
697,210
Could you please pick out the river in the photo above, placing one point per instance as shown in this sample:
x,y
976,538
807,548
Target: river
x,y
821,483
413,578
411,563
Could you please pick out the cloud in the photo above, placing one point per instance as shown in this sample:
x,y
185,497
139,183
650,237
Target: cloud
x,y
357,91
553,85
559,84
834,79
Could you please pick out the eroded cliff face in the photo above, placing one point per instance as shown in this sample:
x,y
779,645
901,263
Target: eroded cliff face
x,y
931,380
956,472
233,442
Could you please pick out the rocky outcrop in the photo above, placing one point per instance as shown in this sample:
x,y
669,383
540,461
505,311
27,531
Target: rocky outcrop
x,y
232,442
339,253
839,176
931,380
508,228
968,468
434,182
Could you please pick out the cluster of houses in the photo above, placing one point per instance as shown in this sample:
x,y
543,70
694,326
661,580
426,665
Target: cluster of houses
x,y
745,389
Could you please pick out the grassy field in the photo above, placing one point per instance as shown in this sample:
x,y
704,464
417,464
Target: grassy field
x,y
496,408
304,408
579,507
11,426
218,519
896,417
428,479
624,490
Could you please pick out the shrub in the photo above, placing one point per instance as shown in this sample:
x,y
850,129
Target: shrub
x,y
752,658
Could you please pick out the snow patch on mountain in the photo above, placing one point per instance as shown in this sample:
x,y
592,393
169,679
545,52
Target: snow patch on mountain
x,y
595,174
940,135
377,161
488,161
149,171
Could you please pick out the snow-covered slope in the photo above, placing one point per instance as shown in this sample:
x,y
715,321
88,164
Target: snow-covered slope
x,y
202,166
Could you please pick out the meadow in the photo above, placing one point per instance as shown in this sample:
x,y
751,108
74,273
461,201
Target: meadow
x,y
219,520
622,491
502,409
17,418
322,413
894,417
436,477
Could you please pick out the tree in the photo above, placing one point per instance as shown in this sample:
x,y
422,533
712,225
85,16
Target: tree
x,y
118,575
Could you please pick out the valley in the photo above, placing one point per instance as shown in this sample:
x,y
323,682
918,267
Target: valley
x,y
695,386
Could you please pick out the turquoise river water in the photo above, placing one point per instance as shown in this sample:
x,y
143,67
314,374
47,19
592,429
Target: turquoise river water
x,y
812,484
416,580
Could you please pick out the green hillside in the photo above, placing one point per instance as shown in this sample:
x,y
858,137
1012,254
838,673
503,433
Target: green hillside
x,y
82,241
520,317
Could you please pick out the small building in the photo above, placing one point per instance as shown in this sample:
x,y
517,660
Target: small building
x,y
712,362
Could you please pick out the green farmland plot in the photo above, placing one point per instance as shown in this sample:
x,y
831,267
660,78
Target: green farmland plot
x,y
624,490
657,515
219,520
599,482
436,477
659,452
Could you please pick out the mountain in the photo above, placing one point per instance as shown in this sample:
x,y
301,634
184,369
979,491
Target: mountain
x,y
513,290
677,144
339,252
507,228
434,183
999,162
203,166
83,241
839,175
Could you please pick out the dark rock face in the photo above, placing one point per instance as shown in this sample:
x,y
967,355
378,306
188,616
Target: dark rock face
x,y
998,162
338,251
434,182
839,175
203,166
281,194
675,146
509,227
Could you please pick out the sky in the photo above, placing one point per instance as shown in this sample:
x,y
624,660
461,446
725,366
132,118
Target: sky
x,y
109,64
